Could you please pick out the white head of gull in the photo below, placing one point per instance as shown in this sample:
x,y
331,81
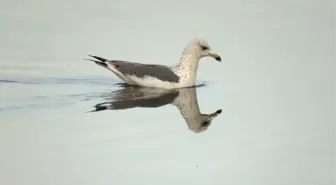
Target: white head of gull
x,y
181,75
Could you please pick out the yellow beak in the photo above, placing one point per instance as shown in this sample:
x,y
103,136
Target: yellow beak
x,y
215,56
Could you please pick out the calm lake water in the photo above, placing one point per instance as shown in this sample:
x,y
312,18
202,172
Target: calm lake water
x,y
275,87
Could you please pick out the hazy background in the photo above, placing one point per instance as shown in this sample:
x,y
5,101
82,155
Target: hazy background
x,y
276,86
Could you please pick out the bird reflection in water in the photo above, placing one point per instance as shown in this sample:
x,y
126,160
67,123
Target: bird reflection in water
x,y
185,99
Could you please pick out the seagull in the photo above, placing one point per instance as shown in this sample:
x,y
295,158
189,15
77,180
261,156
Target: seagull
x,y
181,75
184,99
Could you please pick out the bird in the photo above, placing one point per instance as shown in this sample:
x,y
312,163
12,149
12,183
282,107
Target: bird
x,y
181,75
184,99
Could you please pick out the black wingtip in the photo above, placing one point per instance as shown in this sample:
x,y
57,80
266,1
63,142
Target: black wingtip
x,y
97,108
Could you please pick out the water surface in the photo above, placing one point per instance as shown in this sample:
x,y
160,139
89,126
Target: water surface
x,y
275,87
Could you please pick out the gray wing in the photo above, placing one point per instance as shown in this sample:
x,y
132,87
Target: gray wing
x,y
160,72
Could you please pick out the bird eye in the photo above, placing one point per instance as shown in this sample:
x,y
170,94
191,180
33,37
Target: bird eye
x,y
204,47
205,123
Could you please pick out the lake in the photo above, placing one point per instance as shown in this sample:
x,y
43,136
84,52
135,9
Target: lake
x,y
65,120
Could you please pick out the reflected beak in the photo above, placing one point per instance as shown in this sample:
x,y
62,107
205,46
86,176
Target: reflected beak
x,y
215,114
215,56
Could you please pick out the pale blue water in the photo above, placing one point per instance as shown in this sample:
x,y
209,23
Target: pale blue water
x,y
275,86
43,101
